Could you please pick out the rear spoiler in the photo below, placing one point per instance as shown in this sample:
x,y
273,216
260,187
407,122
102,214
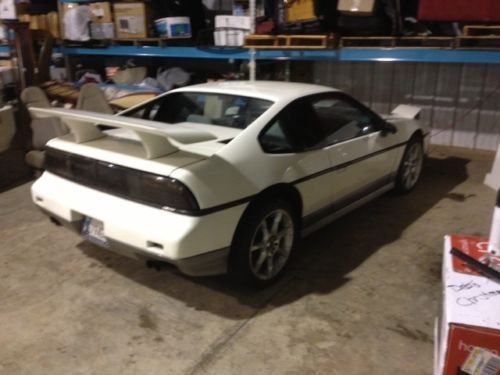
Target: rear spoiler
x,y
157,139
406,111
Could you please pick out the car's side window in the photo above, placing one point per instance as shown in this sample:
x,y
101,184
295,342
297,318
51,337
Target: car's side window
x,y
288,132
339,119
234,111
142,112
274,140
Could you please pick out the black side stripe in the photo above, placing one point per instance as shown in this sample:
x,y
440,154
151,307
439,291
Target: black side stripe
x,y
225,206
220,207
347,164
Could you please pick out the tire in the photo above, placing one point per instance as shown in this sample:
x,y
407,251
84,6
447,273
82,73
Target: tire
x,y
263,243
410,167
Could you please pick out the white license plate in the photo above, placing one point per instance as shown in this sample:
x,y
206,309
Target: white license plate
x,y
93,230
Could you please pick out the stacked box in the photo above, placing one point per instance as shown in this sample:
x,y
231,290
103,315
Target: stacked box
x,y
130,20
230,31
173,27
300,11
101,20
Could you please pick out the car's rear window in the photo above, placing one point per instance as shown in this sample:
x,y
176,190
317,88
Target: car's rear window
x,y
204,108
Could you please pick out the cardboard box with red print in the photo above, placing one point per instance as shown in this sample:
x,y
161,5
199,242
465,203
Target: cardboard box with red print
x,y
471,307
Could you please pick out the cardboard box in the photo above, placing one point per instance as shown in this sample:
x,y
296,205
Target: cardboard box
x,y
361,7
101,12
49,22
130,20
471,306
102,30
173,27
38,22
53,24
300,10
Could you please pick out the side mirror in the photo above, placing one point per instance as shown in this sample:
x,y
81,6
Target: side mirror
x,y
387,128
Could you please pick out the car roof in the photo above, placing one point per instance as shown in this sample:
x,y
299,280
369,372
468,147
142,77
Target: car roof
x,y
270,90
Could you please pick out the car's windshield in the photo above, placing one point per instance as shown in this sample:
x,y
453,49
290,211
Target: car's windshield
x,y
203,108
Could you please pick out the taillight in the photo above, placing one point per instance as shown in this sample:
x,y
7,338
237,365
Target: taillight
x,y
171,192
144,187
57,162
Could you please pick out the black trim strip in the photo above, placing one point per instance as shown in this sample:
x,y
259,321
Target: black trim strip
x,y
206,211
498,198
220,207
346,164
347,200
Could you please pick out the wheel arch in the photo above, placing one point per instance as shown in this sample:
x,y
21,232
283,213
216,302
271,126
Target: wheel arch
x,y
266,199
283,190
287,192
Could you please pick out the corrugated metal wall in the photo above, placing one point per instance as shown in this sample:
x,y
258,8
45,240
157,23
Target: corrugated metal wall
x,y
460,102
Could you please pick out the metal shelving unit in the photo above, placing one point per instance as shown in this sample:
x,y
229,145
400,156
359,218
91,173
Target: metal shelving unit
x,y
431,55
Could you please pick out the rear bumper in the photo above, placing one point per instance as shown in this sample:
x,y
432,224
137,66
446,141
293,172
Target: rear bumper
x,y
198,246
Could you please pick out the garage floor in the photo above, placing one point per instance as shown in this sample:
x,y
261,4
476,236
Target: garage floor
x,y
360,298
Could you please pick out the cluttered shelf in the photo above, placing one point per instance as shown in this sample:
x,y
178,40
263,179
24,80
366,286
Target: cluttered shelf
x,y
434,55
150,29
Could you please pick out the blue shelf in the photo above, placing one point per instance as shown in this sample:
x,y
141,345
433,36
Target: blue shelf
x,y
169,52
345,54
389,54
4,51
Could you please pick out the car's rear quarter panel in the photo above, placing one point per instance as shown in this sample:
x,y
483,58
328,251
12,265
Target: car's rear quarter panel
x,y
136,224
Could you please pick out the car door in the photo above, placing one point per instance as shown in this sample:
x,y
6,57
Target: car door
x,y
288,140
360,152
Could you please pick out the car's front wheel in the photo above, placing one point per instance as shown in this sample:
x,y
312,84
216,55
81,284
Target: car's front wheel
x,y
263,243
411,166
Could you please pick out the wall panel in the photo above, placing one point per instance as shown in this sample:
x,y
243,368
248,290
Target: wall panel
x,y
460,102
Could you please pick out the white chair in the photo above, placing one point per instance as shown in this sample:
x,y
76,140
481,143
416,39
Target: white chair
x,y
43,129
92,99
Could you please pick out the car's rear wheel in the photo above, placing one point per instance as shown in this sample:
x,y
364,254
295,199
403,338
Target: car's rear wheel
x,y
410,168
263,243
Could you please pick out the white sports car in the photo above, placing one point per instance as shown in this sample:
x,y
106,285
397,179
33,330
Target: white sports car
x,y
224,177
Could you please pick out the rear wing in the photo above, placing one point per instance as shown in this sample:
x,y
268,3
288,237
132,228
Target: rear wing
x,y
157,139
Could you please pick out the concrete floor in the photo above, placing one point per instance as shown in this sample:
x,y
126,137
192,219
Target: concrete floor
x,y
360,298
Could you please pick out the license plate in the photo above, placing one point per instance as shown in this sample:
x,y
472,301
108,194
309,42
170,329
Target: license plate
x,y
93,230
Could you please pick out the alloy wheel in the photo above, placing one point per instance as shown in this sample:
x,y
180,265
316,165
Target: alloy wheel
x,y
412,165
271,244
